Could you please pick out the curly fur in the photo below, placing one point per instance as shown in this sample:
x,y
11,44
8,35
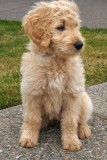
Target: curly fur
x,y
53,83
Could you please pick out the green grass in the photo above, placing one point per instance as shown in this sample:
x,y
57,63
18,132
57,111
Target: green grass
x,y
95,55
12,44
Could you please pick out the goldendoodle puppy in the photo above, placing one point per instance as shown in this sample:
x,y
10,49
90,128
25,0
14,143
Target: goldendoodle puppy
x,y
53,83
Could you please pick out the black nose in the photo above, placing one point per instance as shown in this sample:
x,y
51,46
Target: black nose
x,y
78,45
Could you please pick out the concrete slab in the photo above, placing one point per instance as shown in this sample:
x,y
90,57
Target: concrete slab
x,y
93,13
49,147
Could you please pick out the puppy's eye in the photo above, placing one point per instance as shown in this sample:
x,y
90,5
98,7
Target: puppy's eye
x,y
61,28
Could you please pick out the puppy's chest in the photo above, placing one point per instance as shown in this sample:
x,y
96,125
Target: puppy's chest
x,y
57,82
56,74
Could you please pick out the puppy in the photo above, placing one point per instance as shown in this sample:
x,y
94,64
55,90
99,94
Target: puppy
x,y
53,83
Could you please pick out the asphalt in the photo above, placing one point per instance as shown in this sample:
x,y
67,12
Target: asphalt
x,y
49,147
93,12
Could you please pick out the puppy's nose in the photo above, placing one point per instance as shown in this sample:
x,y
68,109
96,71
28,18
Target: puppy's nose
x,y
78,45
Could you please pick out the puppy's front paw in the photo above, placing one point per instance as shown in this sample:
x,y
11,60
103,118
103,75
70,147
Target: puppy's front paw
x,y
26,142
84,131
28,139
72,144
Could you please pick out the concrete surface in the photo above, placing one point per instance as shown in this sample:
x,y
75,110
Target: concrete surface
x,y
93,12
49,147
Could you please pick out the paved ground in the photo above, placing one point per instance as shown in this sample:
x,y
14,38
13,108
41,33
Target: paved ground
x,y
93,12
49,147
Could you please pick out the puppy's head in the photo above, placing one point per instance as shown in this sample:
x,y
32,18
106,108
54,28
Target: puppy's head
x,y
55,26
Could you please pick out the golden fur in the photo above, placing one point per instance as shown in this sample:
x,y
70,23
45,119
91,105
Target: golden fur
x,y
53,83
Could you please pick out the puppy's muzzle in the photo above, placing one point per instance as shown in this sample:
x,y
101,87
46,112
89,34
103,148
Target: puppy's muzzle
x,y
78,45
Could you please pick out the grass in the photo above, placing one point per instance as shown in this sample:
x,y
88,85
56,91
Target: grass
x,y
12,44
95,55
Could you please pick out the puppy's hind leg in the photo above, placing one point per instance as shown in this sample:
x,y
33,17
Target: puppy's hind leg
x,y
32,121
85,115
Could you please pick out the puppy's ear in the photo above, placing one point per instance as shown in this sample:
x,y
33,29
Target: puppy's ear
x,y
37,24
